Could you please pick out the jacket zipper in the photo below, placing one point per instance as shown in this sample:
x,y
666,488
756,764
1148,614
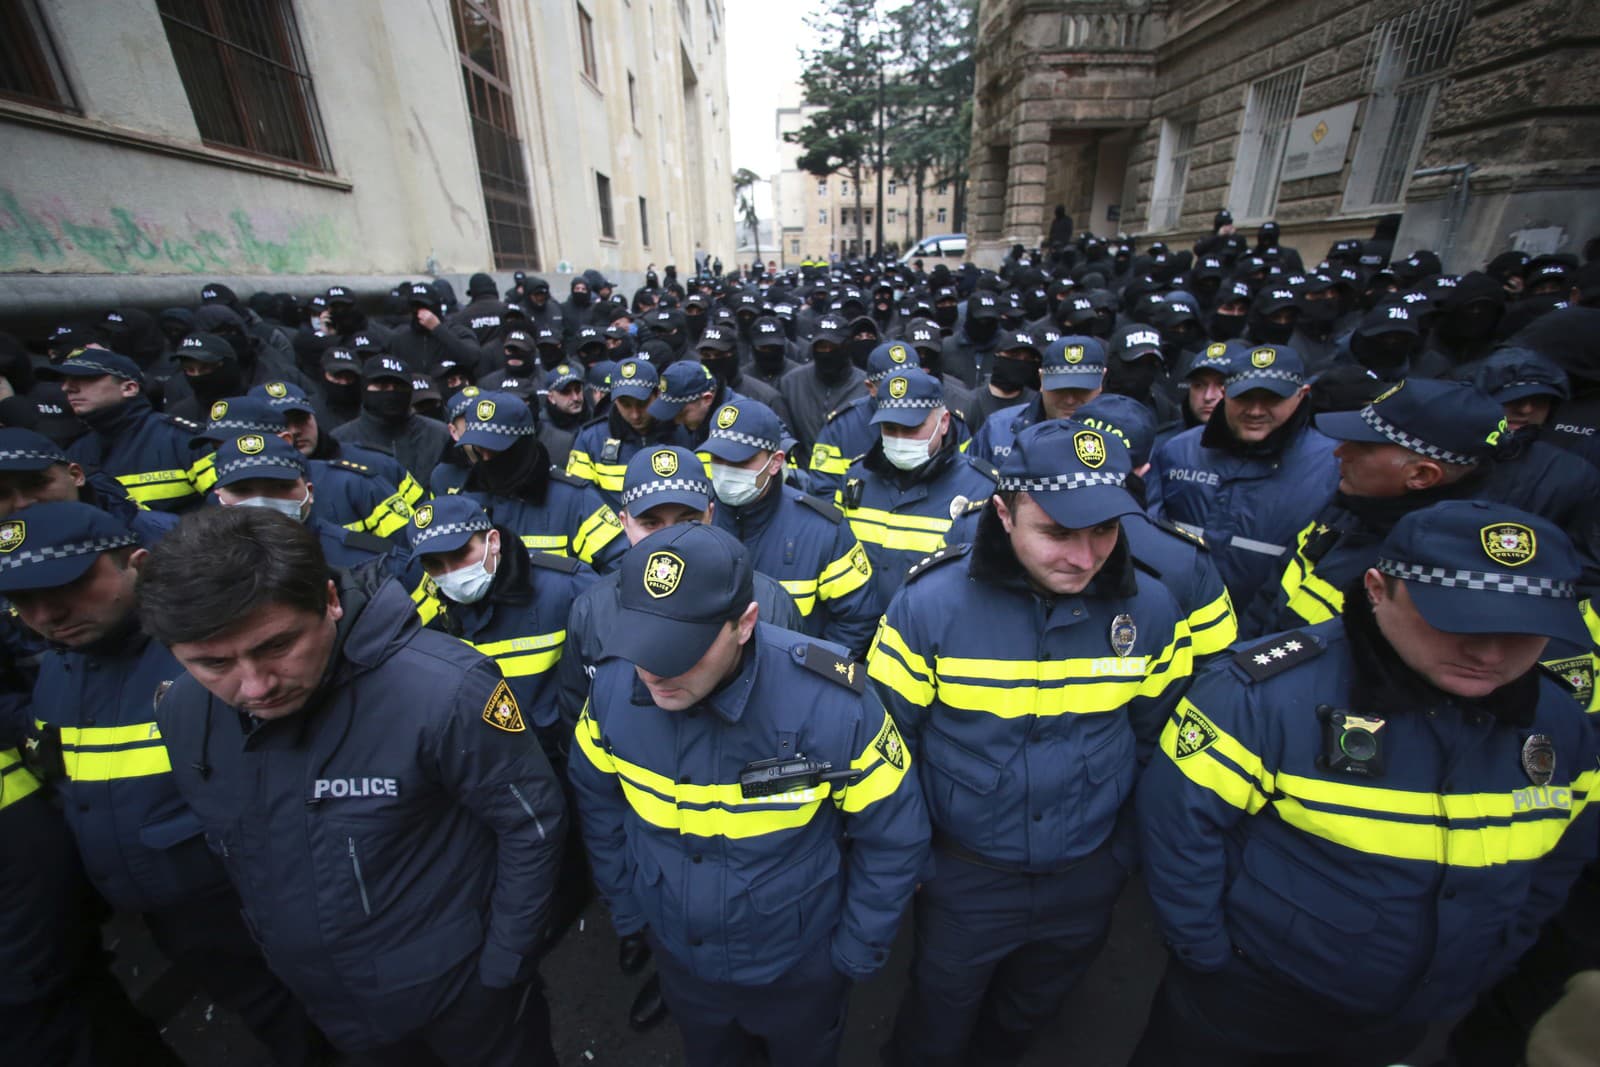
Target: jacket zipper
x,y
529,809
361,884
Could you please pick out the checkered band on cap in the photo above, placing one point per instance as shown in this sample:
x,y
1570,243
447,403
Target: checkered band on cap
x,y
260,462
504,431
881,375
94,546
926,403
479,525
29,453
245,426
1485,581
1059,482
700,390
765,444
1256,374
666,485
95,364
1370,416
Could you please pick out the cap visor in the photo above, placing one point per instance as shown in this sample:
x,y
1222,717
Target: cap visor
x,y
686,497
1072,379
1077,509
664,647
448,543
629,389
254,474
1476,611
49,574
1525,390
1347,426
1275,386
907,417
497,442
72,369
728,450
663,409
1129,355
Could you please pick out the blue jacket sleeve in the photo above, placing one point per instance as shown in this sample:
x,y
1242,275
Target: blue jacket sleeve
x,y
603,813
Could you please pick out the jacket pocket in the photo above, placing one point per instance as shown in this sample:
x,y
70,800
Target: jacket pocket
x,y
953,760
170,829
429,955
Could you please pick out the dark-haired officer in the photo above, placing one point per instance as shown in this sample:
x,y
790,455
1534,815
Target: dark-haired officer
x,y
69,570
601,452
1352,829
374,789
719,765
1028,672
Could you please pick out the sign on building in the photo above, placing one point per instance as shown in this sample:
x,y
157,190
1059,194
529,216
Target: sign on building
x,y
1318,142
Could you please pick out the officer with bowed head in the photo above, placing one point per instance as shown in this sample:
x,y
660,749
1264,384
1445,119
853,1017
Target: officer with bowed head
x,y
398,867
34,470
603,447
1071,375
1028,671
718,764
1352,829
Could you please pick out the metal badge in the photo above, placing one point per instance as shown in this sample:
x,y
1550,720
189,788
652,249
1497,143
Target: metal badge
x,y
1123,634
1539,759
958,504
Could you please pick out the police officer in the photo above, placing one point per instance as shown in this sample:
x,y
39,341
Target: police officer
x,y
511,476
374,789
798,539
1418,784
148,453
902,495
1202,382
824,384
1071,375
601,452
1026,671
34,470
69,571
1250,479
387,422
759,919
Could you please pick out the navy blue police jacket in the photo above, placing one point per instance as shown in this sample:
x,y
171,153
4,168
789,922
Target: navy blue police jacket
x,y
1399,895
147,452
737,889
140,843
395,839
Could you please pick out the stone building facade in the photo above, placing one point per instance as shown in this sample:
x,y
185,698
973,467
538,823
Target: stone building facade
x,y
1473,118
155,144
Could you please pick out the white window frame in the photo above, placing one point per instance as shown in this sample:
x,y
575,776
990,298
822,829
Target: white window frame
x,y
1270,109
1172,172
1408,66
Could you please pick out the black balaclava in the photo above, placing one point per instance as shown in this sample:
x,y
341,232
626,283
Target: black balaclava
x,y
1383,353
832,367
521,470
724,365
980,330
390,407
1473,310
580,300
1014,374
946,315
342,395
1135,378
225,380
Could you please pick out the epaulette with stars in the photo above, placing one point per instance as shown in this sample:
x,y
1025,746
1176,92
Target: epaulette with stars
x,y
1276,655
944,555
832,666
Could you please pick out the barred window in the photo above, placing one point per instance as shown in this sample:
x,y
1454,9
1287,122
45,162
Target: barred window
x,y
1269,112
507,199
1172,173
29,69
245,74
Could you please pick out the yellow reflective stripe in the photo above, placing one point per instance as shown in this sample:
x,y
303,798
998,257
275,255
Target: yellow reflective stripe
x,y
1174,664
828,459
1246,785
104,736
385,521
204,472
16,781
804,593
426,598
1591,619
891,662
524,657
157,485
879,778
595,533
1455,806
411,491
898,533
1308,596
588,737
607,476
845,575
1213,627
105,753
555,544
1483,846
579,465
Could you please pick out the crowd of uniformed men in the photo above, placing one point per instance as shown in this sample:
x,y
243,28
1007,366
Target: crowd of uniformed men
x,y
355,641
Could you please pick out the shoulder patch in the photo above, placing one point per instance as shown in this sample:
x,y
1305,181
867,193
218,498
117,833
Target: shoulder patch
x,y
985,468
502,712
559,475
1273,657
550,562
944,555
1178,531
888,744
826,508
1196,733
366,542
1574,675
833,667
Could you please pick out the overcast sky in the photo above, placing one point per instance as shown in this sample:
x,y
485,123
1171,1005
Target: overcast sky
x,y
763,65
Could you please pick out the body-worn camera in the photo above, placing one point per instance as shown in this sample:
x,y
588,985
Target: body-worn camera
x,y
787,774
1351,744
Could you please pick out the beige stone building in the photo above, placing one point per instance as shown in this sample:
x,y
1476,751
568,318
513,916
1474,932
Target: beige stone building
x,y
817,216
153,144
1479,120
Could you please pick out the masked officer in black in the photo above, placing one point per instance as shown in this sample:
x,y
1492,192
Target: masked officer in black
x,y
374,789
758,918
388,424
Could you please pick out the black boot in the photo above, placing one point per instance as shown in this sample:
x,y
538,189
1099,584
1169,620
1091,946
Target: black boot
x,y
648,1007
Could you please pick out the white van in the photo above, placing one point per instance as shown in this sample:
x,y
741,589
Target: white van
x,y
942,246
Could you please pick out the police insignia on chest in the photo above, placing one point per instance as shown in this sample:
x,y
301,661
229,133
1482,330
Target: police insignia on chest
x,y
958,505
1539,759
1123,634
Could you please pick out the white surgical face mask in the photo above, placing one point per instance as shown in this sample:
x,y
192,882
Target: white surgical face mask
x,y
735,486
295,509
470,584
906,453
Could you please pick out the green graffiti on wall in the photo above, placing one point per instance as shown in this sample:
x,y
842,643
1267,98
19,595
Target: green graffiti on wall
x,y
32,239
